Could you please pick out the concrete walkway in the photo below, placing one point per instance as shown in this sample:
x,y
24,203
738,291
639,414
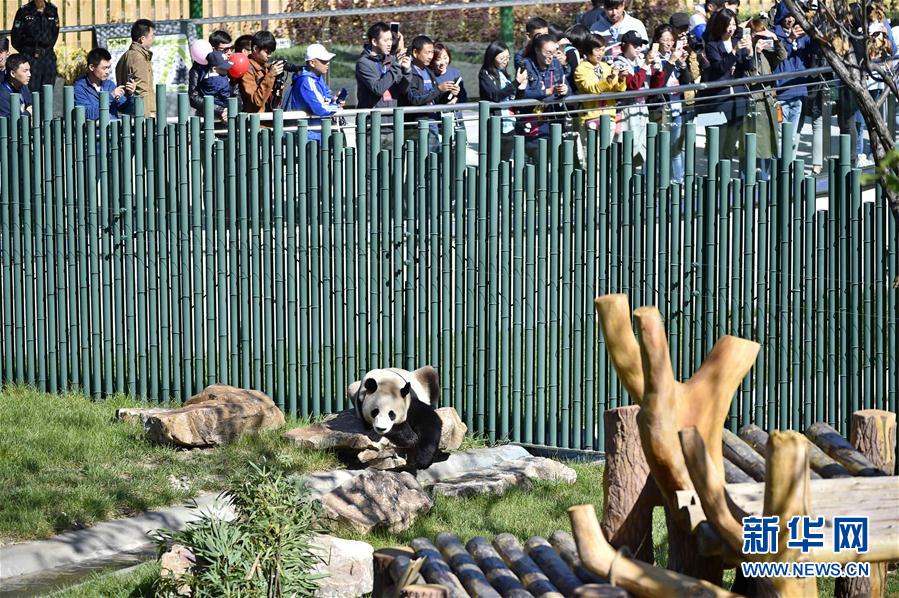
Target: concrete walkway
x,y
102,541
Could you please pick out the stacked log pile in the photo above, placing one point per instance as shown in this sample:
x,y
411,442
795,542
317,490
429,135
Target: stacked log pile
x,y
504,567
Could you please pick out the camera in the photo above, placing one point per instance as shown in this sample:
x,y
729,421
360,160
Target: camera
x,y
289,67
694,42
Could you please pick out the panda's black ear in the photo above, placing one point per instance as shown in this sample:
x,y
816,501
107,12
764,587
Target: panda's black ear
x,y
371,385
406,390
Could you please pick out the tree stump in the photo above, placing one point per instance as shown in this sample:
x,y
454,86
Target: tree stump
x,y
873,433
629,492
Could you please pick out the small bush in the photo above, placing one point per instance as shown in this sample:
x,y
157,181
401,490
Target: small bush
x,y
265,551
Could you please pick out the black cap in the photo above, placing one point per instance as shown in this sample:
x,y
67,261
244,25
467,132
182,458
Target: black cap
x,y
679,20
631,37
217,60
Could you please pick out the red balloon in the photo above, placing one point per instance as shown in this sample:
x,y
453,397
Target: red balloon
x,y
239,65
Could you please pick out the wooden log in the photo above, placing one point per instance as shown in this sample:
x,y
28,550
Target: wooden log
x,y
629,492
668,406
830,441
564,545
757,438
637,577
464,566
424,591
873,433
495,569
600,590
435,570
535,581
742,455
559,574
735,475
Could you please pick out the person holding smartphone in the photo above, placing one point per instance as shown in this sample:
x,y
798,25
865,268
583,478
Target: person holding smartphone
x,y
496,86
546,82
769,53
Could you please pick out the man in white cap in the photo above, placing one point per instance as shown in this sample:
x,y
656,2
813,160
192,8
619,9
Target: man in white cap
x,y
310,92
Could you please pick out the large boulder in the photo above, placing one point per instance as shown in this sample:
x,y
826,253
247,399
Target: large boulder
x,y
218,415
496,478
348,565
377,499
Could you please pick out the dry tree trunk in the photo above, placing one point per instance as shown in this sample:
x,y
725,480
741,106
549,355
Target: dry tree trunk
x,y
846,67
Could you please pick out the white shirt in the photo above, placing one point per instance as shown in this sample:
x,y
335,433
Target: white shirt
x,y
614,32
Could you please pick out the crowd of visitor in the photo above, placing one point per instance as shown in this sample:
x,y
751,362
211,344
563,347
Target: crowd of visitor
x,y
607,50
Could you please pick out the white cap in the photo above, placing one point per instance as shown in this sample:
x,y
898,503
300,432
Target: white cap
x,y
318,52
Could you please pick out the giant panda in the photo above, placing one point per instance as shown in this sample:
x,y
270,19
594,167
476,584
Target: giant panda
x,y
400,406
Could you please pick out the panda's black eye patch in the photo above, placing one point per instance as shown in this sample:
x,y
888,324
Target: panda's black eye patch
x,y
374,412
391,415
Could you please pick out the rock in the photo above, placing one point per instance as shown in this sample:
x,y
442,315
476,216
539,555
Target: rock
x,y
131,415
342,430
465,461
500,477
322,482
454,430
348,564
175,563
484,481
385,463
345,430
377,498
218,415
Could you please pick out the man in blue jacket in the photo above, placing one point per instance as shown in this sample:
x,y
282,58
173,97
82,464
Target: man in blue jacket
x,y
800,54
89,87
18,74
311,93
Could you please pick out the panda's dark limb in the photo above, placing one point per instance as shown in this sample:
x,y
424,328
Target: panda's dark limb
x,y
429,427
403,435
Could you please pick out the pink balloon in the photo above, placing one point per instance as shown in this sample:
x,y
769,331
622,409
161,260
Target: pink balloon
x,y
199,50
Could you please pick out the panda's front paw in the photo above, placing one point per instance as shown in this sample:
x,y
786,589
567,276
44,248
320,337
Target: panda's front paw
x,y
424,459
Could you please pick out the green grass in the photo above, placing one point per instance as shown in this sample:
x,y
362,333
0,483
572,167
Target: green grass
x,y
65,463
134,582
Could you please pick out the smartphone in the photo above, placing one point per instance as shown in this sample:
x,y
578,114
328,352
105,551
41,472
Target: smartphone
x,y
395,30
342,95
458,81
654,48
746,32
132,78
681,42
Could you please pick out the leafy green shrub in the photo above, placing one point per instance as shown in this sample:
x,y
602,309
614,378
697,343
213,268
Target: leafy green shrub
x,y
265,551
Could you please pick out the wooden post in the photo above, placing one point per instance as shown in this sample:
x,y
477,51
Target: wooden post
x,y
873,433
787,495
424,591
596,590
839,448
383,559
629,492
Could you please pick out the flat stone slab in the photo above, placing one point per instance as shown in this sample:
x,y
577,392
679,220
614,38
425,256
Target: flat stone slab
x,y
499,478
464,462
349,565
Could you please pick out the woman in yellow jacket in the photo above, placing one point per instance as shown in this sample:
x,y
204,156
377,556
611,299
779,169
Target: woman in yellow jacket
x,y
593,76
